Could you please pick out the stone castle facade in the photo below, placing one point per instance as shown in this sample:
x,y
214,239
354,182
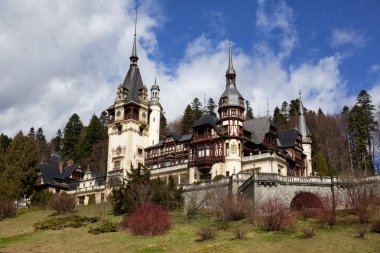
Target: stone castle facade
x,y
215,147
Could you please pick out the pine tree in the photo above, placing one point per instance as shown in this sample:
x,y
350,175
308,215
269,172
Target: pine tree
x,y
43,150
5,141
187,119
211,107
279,119
2,160
249,113
196,106
361,125
71,138
20,172
40,137
293,109
164,130
285,110
32,133
320,164
56,142
91,136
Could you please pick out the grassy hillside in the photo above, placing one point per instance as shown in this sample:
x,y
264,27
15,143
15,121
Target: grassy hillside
x,y
18,235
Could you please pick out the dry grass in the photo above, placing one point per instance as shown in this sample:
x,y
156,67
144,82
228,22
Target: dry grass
x,y
17,235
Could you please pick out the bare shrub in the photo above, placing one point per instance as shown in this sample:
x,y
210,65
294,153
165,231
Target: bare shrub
x,y
123,224
360,197
362,229
194,201
328,215
275,216
149,220
206,233
7,208
218,202
240,232
62,203
375,225
307,232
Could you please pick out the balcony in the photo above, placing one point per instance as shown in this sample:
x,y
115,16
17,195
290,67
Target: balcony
x,y
116,172
205,163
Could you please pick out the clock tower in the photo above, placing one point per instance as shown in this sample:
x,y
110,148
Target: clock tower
x,y
128,124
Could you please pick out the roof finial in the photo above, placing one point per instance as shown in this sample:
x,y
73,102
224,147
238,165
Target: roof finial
x,y
267,107
134,57
155,82
300,103
230,70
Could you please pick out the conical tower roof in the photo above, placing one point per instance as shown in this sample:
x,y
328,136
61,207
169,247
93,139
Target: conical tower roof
x,y
301,123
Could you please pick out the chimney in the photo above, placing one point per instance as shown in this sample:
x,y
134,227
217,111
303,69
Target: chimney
x,y
60,165
70,162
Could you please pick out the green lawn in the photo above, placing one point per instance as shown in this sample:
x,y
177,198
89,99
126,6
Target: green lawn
x,y
17,235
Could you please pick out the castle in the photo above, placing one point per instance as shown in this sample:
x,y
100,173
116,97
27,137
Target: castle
x,y
215,147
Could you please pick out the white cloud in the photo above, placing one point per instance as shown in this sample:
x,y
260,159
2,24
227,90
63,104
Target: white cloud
x,y
375,68
347,36
61,57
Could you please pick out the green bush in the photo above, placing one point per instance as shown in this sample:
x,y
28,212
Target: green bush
x,y
218,178
106,227
91,199
41,198
73,221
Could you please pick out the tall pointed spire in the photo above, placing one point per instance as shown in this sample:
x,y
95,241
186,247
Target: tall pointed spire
x,y
301,124
134,57
230,73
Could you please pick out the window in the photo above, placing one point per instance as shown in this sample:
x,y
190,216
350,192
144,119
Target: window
x,y
81,200
119,130
201,151
154,119
227,173
207,150
233,112
141,131
116,165
227,149
139,151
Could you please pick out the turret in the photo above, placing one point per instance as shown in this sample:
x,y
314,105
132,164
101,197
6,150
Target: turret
x,y
306,137
155,114
231,111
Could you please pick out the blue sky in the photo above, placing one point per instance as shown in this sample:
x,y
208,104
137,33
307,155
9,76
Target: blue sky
x,y
65,56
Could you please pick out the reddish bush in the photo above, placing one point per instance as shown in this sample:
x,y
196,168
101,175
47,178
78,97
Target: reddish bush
x,y
62,202
276,216
149,220
328,215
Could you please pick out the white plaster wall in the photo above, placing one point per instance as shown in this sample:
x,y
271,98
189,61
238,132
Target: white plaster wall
x,y
154,125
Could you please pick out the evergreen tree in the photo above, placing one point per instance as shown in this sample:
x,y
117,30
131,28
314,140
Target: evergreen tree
x,y
285,110
211,107
361,125
91,136
2,161
56,142
5,141
164,130
279,119
320,112
20,172
293,109
196,106
187,119
71,138
43,150
40,137
320,164
32,133
249,113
